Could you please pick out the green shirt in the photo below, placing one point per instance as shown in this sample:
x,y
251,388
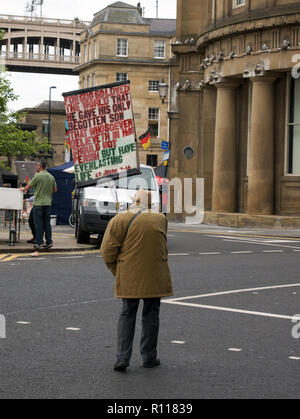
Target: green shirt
x,y
43,184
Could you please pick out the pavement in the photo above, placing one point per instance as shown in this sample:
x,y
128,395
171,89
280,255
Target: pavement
x,y
64,239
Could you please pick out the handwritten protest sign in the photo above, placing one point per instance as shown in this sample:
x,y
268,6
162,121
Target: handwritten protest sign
x,y
102,132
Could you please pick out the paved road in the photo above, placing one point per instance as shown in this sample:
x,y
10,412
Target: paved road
x,y
227,332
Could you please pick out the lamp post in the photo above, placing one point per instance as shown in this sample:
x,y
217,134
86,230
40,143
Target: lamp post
x,y
49,115
163,90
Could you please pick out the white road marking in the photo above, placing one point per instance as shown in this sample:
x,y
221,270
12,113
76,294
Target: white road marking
x,y
280,241
250,241
232,310
294,358
210,253
179,254
178,342
70,257
242,252
24,323
235,350
237,239
274,287
179,301
272,251
73,329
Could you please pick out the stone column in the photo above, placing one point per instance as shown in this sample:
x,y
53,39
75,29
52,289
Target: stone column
x,y
41,47
57,50
25,41
261,157
8,43
224,197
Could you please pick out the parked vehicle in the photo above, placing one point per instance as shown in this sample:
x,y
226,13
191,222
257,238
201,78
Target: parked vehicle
x,y
96,206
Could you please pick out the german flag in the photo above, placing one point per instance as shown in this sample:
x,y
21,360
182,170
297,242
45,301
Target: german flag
x,y
146,140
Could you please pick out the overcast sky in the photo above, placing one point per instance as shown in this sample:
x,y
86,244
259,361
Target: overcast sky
x,y
34,88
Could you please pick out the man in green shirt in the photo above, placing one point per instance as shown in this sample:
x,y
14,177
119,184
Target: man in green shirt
x,y
44,186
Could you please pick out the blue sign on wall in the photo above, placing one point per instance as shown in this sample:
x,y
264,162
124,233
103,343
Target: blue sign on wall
x,y
165,145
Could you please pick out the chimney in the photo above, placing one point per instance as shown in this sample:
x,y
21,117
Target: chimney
x,y
140,9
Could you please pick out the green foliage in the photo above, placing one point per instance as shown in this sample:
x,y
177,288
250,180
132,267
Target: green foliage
x,y
3,166
14,142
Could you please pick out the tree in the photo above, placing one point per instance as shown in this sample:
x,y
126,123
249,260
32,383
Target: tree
x,y
15,142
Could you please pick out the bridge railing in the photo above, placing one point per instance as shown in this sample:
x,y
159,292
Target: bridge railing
x,y
44,21
39,57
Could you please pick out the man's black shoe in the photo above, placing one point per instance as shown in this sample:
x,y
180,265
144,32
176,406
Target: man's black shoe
x,y
121,366
38,246
152,364
32,241
48,246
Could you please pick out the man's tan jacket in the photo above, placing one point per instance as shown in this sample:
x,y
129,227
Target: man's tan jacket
x,y
140,261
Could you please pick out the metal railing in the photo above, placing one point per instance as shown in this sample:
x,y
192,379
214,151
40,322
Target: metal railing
x,y
43,21
39,57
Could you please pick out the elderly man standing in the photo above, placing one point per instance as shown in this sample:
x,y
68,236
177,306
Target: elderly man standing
x,y
44,186
134,248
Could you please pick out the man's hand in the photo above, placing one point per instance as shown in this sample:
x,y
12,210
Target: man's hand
x,y
26,189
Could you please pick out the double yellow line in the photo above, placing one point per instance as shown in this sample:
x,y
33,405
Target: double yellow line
x,y
8,258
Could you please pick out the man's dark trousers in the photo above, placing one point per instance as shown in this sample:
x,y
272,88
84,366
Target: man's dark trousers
x,y
31,223
150,329
42,223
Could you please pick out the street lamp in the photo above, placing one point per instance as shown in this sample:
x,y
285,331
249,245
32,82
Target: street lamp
x,y
163,90
49,115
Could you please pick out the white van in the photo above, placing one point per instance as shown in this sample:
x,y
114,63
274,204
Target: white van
x,y
97,204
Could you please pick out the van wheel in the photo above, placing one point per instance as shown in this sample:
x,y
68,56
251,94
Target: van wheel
x,y
82,236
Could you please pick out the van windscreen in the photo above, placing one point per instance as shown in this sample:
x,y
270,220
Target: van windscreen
x,y
144,181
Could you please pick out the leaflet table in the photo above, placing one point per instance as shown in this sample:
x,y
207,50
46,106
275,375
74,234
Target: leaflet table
x,y
11,201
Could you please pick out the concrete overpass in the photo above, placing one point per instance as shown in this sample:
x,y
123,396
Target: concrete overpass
x,y
40,45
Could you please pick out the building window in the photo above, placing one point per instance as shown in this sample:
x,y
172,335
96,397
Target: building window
x,y
160,49
238,3
122,48
154,86
45,126
294,128
152,160
85,54
121,77
88,81
94,80
154,118
154,114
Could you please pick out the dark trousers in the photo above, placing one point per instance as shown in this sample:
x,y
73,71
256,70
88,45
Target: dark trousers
x,y
42,218
150,329
31,223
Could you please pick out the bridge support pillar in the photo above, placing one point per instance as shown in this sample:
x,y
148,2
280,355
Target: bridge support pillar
x,y
8,43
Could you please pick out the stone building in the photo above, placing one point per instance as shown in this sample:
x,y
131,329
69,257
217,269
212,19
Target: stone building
x,y
120,45
38,117
236,104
